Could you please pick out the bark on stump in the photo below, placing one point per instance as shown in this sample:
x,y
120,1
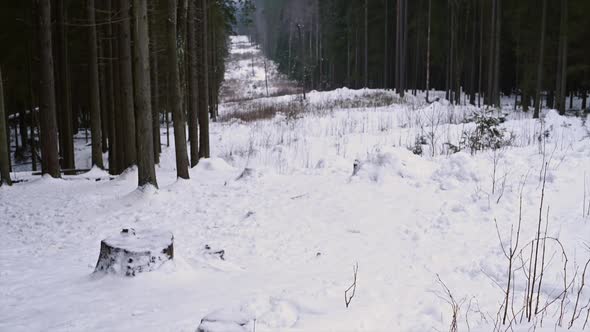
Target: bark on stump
x,y
132,252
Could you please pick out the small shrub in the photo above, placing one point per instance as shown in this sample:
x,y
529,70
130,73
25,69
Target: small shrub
x,y
417,148
488,134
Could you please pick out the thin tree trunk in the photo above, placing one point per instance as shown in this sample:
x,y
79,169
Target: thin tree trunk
x,y
155,90
472,58
4,152
49,136
204,82
498,33
489,97
480,69
110,92
428,51
385,41
540,62
174,102
366,71
143,120
193,84
104,114
562,61
126,76
119,114
66,133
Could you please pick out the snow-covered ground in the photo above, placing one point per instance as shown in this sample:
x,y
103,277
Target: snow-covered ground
x,y
280,198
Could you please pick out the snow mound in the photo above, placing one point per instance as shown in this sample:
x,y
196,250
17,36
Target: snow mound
x,y
227,320
249,174
268,313
382,165
455,171
214,164
95,173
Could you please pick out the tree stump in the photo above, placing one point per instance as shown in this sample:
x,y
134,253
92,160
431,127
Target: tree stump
x,y
131,252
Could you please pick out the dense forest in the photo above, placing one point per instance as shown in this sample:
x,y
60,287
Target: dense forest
x,y
477,50
110,72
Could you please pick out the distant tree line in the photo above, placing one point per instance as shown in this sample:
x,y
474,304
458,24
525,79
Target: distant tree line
x,y
535,50
110,72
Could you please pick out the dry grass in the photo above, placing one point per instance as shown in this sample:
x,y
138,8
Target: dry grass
x,y
250,112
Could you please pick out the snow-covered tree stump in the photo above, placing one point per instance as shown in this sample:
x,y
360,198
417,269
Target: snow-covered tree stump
x,y
131,252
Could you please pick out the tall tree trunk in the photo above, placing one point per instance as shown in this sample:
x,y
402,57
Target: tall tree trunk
x,y
385,41
480,69
472,57
4,153
540,62
193,84
143,120
49,137
489,97
102,76
498,33
110,91
401,38
174,92
204,150
561,83
155,90
290,47
428,51
126,77
66,140
366,71
95,113
119,114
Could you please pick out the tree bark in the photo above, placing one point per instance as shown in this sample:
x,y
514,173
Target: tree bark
x,y
174,92
49,136
95,116
126,77
4,153
143,120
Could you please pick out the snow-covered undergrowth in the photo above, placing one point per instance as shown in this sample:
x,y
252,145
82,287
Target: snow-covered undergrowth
x,y
295,200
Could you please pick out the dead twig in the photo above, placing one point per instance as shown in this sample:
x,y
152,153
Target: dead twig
x,y
348,299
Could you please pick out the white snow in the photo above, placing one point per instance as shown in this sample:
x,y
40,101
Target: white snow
x,y
294,226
